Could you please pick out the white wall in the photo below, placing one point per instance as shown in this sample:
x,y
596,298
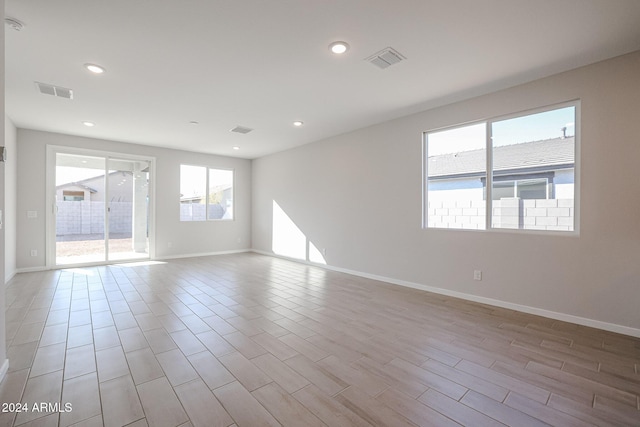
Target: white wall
x,y
4,362
10,198
187,238
358,196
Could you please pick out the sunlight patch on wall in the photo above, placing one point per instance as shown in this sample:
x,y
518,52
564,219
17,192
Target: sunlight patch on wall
x,y
315,255
289,241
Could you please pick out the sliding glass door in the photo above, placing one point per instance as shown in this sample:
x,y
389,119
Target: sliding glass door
x,y
101,208
79,188
127,209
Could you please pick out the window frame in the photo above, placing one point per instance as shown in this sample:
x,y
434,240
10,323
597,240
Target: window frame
x,y
78,196
488,178
547,176
206,194
515,185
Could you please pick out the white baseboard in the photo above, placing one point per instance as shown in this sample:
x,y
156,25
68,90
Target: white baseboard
x,y
598,324
196,255
34,269
10,276
61,267
3,369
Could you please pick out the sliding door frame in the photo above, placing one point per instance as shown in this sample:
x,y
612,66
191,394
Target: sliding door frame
x,y
50,173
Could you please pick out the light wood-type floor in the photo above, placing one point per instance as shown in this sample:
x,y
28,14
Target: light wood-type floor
x,y
252,340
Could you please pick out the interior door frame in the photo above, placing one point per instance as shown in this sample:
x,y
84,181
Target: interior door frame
x,y
50,173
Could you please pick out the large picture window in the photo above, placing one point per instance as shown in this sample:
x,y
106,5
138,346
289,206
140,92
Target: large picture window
x,y
516,172
205,194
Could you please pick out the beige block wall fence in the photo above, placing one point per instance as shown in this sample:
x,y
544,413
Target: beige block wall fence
x,y
513,213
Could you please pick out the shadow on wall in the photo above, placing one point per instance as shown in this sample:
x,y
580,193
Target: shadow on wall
x,y
288,240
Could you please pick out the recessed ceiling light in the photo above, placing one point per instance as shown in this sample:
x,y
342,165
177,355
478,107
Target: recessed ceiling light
x,y
193,122
236,148
298,123
339,47
89,124
95,69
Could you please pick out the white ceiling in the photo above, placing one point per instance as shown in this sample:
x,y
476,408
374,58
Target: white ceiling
x,y
263,64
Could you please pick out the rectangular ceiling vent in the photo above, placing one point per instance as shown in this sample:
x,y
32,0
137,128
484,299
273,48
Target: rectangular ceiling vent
x,y
385,58
241,129
58,91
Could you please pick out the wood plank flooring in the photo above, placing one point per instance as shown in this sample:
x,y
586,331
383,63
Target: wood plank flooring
x,y
250,340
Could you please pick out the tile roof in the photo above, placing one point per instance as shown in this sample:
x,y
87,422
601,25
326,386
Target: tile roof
x,y
547,154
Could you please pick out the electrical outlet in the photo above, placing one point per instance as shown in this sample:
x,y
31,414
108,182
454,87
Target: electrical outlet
x,y
169,244
477,274
34,252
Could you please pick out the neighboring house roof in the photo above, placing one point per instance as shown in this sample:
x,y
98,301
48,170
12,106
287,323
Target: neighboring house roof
x,y
77,184
549,154
191,199
82,183
212,190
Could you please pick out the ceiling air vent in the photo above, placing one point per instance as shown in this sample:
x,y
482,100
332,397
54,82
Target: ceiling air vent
x,y
14,24
241,129
58,91
385,58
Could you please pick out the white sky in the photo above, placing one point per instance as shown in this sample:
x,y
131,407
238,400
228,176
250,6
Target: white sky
x,y
66,174
88,167
193,179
